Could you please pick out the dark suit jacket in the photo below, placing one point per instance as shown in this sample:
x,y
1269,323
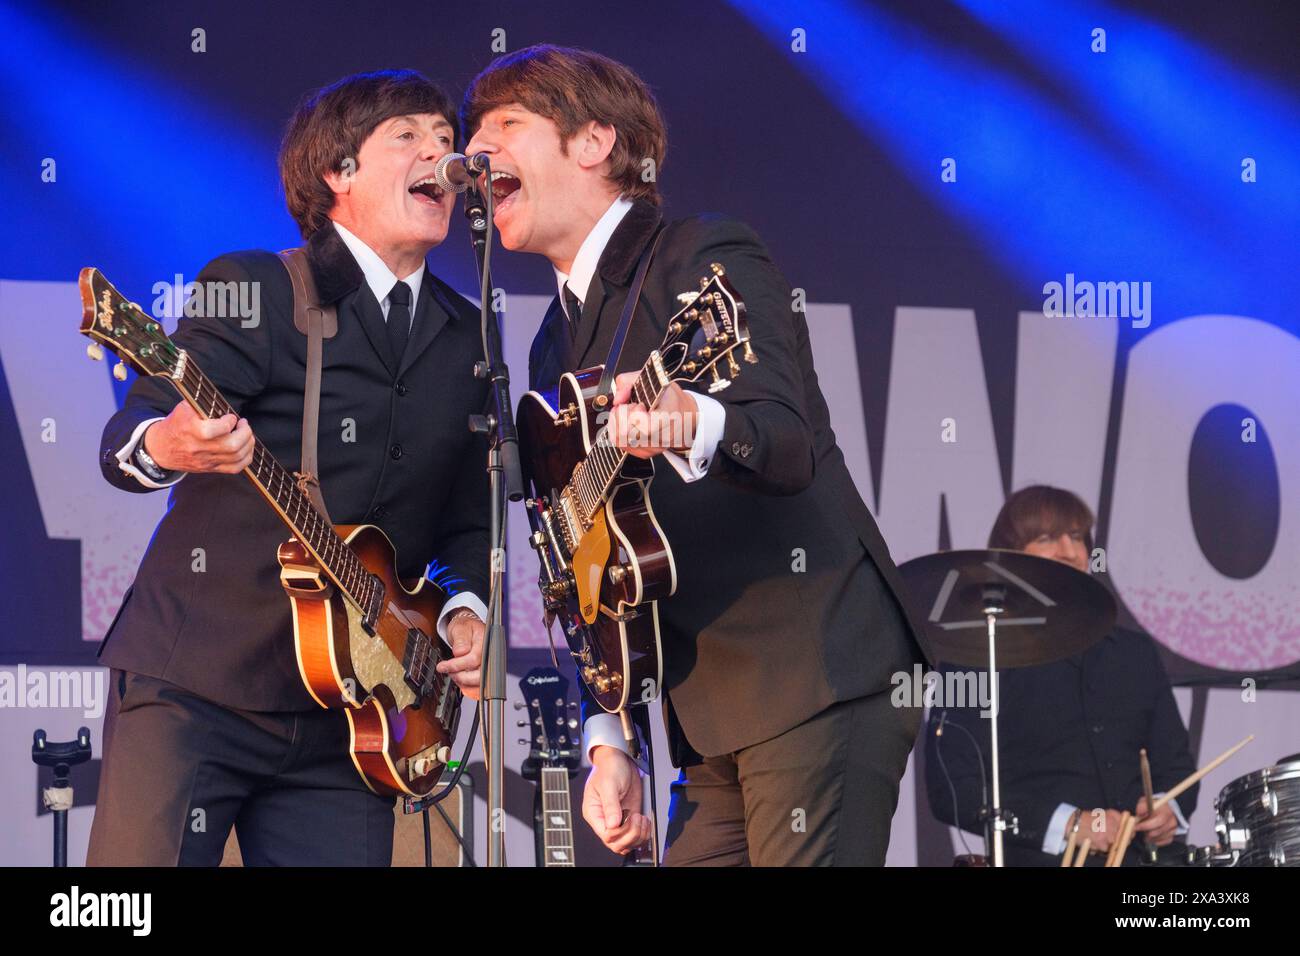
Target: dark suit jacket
x,y
752,646
1070,732
394,451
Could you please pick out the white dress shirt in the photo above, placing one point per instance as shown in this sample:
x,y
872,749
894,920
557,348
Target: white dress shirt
x,y
606,729
381,280
1055,837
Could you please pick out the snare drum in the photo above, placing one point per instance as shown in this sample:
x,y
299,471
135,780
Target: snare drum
x,y
1258,816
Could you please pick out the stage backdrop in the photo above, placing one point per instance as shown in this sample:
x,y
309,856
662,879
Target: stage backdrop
x,y
1033,245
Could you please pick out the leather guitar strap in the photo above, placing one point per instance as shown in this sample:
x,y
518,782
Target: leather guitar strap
x,y
606,384
318,322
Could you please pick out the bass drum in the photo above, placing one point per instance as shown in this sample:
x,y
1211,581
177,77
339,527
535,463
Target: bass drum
x,y
1258,816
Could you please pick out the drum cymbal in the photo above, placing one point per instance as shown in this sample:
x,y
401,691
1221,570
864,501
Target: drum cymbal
x,y
1049,610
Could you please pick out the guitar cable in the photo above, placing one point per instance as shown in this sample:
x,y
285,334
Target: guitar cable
x,y
952,788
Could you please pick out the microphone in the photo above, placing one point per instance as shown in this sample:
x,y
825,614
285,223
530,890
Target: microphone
x,y
456,172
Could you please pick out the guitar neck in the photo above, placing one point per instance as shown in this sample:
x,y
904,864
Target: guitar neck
x,y
557,819
594,478
280,488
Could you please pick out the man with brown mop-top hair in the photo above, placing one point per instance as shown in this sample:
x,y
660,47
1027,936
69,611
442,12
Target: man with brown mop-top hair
x,y
776,675
209,725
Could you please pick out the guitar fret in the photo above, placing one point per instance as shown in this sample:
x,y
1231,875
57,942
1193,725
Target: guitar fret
x,y
338,560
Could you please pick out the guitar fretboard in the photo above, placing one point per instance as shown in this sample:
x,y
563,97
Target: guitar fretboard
x,y
594,476
557,820
280,486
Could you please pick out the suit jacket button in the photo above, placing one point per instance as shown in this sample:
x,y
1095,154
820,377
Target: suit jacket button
x,y
401,388
735,448
745,450
395,452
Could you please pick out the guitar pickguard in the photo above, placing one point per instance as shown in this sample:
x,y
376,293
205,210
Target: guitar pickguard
x,y
374,663
588,564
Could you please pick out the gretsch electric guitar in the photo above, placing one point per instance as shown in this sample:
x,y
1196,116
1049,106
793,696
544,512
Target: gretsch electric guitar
x,y
605,562
366,640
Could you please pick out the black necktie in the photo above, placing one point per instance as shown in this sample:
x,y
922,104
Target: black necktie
x,y
572,309
399,318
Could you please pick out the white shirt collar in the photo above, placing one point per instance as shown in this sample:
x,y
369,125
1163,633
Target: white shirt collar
x,y
589,253
378,276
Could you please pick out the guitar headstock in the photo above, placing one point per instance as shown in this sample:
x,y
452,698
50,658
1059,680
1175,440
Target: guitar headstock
x,y
110,320
554,737
708,329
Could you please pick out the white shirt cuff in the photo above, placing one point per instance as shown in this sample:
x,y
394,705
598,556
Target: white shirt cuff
x,y
128,450
710,419
1054,839
455,603
603,730
1178,812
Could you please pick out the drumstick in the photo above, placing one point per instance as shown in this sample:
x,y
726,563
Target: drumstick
x,y
1084,847
1147,789
1074,833
1193,778
1125,838
1114,841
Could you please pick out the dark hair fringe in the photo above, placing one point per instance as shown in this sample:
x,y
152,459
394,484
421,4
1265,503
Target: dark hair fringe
x,y
572,87
331,123
1040,509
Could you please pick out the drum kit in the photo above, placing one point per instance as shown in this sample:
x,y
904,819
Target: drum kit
x,y
999,609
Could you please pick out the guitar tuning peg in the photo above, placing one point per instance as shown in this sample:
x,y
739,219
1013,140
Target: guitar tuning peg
x,y
521,723
95,352
522,742
750,357
718,383
731,365
519,705
716,268
119,371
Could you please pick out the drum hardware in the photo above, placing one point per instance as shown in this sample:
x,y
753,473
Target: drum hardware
x,y
1046,610
1257,820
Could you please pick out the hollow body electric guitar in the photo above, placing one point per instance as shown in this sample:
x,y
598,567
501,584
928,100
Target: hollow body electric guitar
x,y
366,640
605,562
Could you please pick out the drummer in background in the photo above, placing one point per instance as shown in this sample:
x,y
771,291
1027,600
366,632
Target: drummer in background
x,y
1069,731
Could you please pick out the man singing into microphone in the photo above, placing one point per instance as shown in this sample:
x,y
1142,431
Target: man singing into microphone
x,y
786,625
209,725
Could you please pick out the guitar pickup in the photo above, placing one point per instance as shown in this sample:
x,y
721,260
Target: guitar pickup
x,y
370,615
419,665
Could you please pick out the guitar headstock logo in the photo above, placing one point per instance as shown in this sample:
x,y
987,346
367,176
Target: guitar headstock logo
x,y
105,314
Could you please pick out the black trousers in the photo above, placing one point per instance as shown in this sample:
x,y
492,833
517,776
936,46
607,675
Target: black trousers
x,y
820,794
180,770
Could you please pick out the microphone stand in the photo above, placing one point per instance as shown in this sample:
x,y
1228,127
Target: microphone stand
x,y
506,481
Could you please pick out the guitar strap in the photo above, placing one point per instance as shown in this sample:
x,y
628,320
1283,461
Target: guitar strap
x,y
606,384
318,322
